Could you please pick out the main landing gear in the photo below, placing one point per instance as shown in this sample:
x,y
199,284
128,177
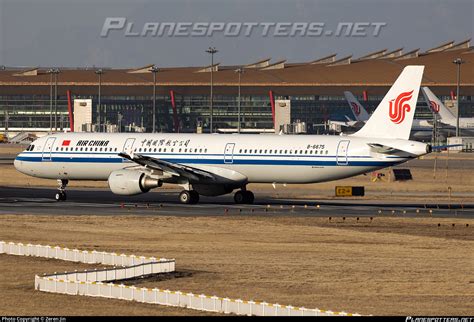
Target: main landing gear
x,y
61,194
244,197
189,197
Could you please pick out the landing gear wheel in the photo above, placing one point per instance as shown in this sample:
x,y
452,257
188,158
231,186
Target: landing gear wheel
x,y
249,197
194,197
189,197
244,197
239,197
60,196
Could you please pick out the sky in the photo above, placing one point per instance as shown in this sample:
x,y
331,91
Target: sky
x,y
67,33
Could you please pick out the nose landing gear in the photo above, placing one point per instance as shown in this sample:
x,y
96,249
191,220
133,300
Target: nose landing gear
x,y
61,194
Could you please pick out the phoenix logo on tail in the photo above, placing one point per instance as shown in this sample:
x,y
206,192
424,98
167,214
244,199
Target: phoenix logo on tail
x,y
356,108
434,106
398,109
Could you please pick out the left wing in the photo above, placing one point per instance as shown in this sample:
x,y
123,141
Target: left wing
x,y
175,169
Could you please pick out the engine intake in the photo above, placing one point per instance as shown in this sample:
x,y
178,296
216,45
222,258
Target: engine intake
x,y
131,182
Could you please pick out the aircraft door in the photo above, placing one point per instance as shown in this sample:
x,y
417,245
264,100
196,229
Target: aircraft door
x,y
342,150
229,153
127,147
47,149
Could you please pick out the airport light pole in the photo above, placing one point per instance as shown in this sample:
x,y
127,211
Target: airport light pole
x,y
458,62
50,72
56,72
99,72
240,71
212,51
154,70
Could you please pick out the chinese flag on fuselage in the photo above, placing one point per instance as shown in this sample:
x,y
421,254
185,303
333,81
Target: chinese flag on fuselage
x,y
66,142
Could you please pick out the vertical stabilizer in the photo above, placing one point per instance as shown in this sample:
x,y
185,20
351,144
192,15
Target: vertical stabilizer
x,y
357,109
445,115
393,118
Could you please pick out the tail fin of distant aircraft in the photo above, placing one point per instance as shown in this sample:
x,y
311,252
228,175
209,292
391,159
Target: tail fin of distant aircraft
x,y
357,109
393,118
445,115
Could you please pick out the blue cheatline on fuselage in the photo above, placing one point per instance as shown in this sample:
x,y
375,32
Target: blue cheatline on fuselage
x,y
166,157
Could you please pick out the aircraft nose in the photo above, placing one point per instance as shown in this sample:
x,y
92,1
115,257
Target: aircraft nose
x,y
18,164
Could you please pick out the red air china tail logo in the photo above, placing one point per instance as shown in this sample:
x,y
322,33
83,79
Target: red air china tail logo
x,y
356,108
399,107
434,106
66,142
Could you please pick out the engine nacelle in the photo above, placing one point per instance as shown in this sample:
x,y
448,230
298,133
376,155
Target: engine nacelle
x,y
131,182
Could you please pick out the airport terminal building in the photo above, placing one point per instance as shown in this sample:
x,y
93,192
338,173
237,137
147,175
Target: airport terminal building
x,y
300,96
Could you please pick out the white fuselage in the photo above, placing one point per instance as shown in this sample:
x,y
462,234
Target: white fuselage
x,y
259,158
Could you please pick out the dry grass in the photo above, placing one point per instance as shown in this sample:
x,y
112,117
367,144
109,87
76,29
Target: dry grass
x,y
405,266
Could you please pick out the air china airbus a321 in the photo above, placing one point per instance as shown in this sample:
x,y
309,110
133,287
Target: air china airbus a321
x,y
217,164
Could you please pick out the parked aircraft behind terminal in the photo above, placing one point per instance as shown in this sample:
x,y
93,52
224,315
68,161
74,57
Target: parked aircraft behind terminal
x,y
217,164
447,117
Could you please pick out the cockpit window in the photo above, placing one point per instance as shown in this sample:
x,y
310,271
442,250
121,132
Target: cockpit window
x,y
31,147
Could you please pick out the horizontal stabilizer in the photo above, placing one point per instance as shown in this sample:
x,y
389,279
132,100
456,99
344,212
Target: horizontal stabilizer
x,y
384,149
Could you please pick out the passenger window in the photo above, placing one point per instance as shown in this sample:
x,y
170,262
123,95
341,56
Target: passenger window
x,y
200,150
327,151
240,151
205,150
172,149
245,151
265,151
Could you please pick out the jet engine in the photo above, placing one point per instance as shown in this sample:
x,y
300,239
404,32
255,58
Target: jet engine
x,y
131,182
